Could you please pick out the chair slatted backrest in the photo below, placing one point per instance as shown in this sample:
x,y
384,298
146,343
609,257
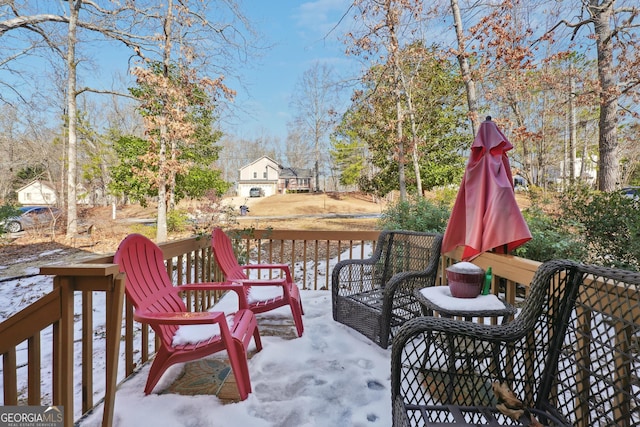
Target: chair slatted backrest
x,y
225,257
148,285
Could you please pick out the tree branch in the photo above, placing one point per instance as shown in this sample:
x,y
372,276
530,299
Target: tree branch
x,y
105,92
24,21
46,38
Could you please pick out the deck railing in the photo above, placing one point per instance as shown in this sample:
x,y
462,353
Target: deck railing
x,y
79,291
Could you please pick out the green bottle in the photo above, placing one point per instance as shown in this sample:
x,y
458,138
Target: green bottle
x,y
487,282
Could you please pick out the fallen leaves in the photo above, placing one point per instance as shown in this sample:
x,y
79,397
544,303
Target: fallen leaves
x,y
510,405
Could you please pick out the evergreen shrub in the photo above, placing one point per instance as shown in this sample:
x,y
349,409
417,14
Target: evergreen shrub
x,y
416,215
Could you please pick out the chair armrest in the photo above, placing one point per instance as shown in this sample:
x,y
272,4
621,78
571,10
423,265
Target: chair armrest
x,y
282,282
418,279
262,282
238,288
372,261
477,331
406,283
281,267
347,262
354,276
181,318
212,286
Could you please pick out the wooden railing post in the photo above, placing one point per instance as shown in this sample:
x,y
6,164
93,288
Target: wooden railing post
x,y
63,350
86,278
115,301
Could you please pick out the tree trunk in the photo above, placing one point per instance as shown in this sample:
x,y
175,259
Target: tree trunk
x,y
62,196
585,158
414,145
415,154
608,165
572,125
72,214
163,176
161,231
514,105
171,197
401,160
316,144
392,22
469,83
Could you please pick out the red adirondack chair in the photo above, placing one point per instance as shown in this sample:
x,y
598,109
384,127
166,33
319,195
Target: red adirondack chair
x,y
158,303
234,272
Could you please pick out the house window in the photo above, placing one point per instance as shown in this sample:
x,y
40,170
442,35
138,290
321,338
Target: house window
x,y
255,175
27,196
264,174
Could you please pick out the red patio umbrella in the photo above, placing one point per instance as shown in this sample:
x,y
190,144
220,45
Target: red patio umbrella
x,y
486,215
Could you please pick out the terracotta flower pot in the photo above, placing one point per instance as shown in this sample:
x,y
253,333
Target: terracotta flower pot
x,y
465,280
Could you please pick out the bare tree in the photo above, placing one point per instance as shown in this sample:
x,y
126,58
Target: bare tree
x,y
384,22
314,101
465,69
297,148
24,149
72,93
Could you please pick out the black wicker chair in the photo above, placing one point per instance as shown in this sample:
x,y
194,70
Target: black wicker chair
x,y
375,295
571,356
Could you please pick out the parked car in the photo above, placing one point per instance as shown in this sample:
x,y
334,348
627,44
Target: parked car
x,y
256,192
631,192
31,217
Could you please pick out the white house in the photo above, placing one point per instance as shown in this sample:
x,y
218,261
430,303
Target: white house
x,y
262,173
589,174
266,174
37,193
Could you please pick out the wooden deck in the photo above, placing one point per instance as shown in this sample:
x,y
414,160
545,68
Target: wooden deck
x,y
98,287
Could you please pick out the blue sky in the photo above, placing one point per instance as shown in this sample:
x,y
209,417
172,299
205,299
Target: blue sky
x,y
300,33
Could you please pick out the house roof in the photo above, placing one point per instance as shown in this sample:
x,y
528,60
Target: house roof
x,y
284,172
46,184
295,173
260,158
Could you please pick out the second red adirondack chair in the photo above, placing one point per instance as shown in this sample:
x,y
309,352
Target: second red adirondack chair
x,y
234,272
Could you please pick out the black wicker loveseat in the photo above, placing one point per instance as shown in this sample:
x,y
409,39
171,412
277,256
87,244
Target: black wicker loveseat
x,y
375,295
570,357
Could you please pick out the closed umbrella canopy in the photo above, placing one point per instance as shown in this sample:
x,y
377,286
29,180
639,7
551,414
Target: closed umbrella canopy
x,y
486,215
